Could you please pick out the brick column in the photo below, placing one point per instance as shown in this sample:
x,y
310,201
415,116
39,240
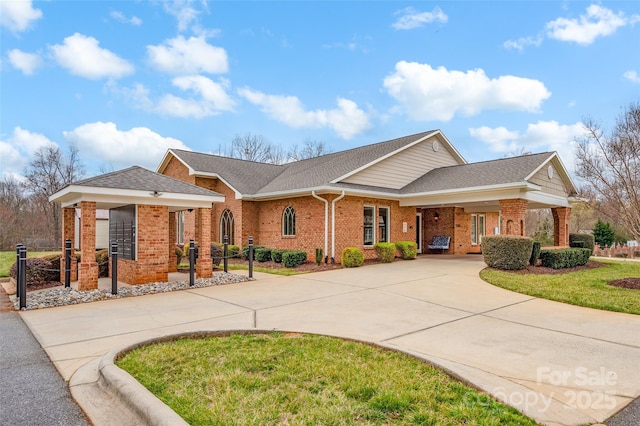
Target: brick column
x,y
204,266
173,258
88,269
561,216
68,231
513,216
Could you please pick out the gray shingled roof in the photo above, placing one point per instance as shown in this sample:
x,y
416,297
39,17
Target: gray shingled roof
x,y
495,172
258,178
140,179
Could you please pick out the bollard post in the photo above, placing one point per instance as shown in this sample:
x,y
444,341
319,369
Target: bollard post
x,y
67,263
225,253
192,262
18,270
22,286
250,257
114,267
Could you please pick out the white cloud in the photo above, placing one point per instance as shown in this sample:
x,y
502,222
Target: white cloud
x,y
597,22
185,11
425,93
28,63
122,148
18,15
347,120
540,136
632,76
411,18
120,17
83,56
520,43
17,150
188,56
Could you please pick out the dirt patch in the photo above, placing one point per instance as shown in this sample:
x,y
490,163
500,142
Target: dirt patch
x,y
550,271
632,283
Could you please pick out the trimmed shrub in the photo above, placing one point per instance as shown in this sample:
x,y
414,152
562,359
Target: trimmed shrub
x,y
507,252
408,249
385,251
37,271
318,256
216,254
352,257
565,258
276,255
178,254
293,258
535,253
245,251
232,250
263,254
102,258
582,241
53,273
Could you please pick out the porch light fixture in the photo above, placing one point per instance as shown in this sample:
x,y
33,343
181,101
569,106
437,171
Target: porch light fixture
x,y
155,193
436,216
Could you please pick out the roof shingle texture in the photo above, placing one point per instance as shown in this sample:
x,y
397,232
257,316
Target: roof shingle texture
x,y
141,179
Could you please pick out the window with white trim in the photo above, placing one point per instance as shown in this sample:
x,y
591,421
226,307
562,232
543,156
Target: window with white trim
x,y
383,224
369,229
180,228
289,222
477,228
226,226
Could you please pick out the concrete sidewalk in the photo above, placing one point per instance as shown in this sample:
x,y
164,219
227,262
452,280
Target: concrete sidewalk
x,y
557,363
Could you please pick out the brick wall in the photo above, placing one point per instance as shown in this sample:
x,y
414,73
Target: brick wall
x,y
444,225
203,239
455,223
88,267
561,218
172,264
513,216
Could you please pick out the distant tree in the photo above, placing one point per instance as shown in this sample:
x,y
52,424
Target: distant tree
x,y
310,149
49,171
518,152
610,165
251,147
12,209
603,234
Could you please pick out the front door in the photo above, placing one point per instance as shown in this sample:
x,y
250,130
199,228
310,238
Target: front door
x,y
419,231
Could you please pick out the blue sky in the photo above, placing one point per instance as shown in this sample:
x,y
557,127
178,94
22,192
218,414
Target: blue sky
x,y
126,80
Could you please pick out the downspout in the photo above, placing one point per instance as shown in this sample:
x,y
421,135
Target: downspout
x,y
326,224
333,226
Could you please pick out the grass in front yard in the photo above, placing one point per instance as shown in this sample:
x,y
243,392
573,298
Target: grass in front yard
x,y
583,288
279,378
276,271
8,258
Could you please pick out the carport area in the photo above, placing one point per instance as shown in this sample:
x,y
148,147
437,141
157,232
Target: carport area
x,y
142,221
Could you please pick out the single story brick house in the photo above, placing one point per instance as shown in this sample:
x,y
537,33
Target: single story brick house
x,y
411,188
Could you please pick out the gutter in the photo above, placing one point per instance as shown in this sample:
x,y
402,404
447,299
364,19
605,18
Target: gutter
x,y
333,226
326,224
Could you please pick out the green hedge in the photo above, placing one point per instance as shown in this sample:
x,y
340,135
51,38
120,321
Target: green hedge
x,y
293,258
352,257
408,249
262,254
276,255
245,252
582,241
565,258
319,256
386,252
535,253
506,251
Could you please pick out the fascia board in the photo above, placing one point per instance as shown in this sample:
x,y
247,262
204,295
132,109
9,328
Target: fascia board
x,y
74,194
165,162
451,147
562,170
547,199
384,157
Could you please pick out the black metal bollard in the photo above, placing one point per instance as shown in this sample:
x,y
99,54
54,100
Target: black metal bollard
x,y
225,253
250,257
18,269
22,284
67,263
192,263
114,267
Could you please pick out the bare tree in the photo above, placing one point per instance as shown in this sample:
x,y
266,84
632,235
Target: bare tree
x,y
610,165
49,171
310,149
12,209
251,147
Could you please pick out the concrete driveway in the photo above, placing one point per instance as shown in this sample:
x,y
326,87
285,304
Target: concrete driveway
x,y
557,363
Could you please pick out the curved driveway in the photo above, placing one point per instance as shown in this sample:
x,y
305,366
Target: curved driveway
x,y
559,364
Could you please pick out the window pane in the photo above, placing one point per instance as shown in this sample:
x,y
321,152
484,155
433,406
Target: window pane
x,y
474,229
226,226
289,221
383,224
481,227
369,214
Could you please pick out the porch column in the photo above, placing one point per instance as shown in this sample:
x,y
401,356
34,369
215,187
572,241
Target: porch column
x,y
68,231
173,258
88,270
513,216
561,216
204,266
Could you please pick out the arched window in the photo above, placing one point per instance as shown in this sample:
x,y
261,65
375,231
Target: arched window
x,y
289,221
226,226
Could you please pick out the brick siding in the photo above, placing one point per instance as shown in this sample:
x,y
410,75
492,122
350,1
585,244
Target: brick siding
x,y
88,267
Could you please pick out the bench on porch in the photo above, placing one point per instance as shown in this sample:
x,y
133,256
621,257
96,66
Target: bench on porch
x,y
440,242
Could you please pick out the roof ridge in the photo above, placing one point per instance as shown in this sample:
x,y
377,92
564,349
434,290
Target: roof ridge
x,y
224,157
79,182
498,159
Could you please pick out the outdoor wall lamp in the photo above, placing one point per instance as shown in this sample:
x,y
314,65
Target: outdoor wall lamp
x,y
155,193
436,216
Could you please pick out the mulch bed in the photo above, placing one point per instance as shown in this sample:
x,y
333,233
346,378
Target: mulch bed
x,y
305,267
632,283
542,270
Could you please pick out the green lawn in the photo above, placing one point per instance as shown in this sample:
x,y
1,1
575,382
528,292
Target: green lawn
x,y
8,258
277,378
583,288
